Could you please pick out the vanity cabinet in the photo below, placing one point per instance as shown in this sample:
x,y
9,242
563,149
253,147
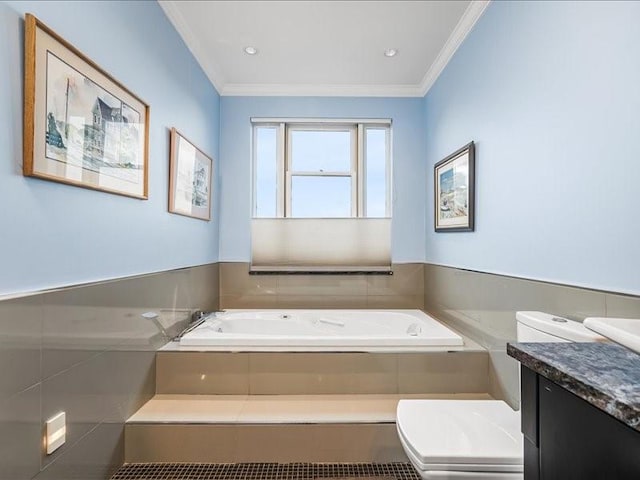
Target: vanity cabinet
x,y
565,437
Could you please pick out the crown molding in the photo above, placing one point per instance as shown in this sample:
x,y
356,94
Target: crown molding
x,y
210,68
308,90
471,15
469,18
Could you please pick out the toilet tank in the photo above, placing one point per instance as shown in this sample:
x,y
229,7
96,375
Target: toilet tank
x,y
544,327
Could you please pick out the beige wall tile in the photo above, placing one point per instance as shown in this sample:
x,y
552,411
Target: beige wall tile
x,y
504,380
235,280
319,443
203,287
96,457
87,351
248,301
453,295
623,306
322,301
395,301
128,382
20,344
318,373
180,443
407,279
202,373
75,331
459,372
81,393
20,435
359,443
322,285
276,443
263,443
483,306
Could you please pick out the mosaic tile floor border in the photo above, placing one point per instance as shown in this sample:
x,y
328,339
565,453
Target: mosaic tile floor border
x,y
266,471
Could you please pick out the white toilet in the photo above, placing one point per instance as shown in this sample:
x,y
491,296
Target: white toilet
x,y
477,439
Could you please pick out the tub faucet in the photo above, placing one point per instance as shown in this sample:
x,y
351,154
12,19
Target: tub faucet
x,y
200,314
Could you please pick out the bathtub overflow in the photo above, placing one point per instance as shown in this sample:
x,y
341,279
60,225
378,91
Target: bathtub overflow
x,y
285,316
559,319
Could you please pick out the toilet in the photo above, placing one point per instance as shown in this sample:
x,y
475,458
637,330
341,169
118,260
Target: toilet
x,y
477,439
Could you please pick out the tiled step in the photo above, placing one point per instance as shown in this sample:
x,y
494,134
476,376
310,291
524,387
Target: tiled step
x,y
269,428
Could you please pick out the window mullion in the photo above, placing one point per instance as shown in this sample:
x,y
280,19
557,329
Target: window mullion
x,y
388,172
285,194
360,172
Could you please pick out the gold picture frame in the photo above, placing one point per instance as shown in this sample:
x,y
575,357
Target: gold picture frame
x,y
81,126
190,174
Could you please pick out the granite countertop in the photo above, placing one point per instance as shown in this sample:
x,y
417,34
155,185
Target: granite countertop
x,y
604,374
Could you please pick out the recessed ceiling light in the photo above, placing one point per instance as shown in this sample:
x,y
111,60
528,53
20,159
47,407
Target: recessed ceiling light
x,y
390,52
250,50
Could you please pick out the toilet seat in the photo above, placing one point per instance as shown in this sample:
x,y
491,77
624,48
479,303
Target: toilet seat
x,y
461,439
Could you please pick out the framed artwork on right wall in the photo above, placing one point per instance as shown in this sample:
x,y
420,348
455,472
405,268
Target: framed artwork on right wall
x,y
454,191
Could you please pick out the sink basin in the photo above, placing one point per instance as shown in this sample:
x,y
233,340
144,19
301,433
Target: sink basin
x,y
625,331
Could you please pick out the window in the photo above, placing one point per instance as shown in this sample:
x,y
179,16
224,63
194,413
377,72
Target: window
x,y
321,169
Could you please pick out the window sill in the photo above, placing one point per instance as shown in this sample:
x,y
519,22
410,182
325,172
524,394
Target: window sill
x,y
308,270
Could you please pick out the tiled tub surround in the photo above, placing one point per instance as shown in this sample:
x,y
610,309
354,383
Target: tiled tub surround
x,y
483,306
605,375
212,373
403,289
291,407
86,350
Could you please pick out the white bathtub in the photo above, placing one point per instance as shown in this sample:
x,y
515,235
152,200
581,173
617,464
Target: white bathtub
x,y
322,330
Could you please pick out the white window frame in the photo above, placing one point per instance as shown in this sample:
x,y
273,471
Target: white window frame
x,y
357,172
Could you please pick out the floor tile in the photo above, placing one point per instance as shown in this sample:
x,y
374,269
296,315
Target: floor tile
x,y
267,471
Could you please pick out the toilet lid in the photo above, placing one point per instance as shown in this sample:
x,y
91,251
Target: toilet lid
x,y
458,432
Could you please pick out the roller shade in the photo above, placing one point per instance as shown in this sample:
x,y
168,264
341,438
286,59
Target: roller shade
x,y
321,244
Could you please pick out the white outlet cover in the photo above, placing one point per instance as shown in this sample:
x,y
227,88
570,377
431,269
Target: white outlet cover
x,y
56,432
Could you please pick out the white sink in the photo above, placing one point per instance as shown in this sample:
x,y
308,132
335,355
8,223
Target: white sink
x,y
625,331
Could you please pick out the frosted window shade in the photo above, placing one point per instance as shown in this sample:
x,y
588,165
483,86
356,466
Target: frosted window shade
x,y
321,244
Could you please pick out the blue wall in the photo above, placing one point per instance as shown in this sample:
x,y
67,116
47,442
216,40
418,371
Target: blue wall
x,y
407,234
550,93
548,90
53,234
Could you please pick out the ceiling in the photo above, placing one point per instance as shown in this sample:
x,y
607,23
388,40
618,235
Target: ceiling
x,y
323,47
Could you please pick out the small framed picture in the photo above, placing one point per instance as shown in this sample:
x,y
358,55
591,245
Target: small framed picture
x,y
189,179
81,126
454,191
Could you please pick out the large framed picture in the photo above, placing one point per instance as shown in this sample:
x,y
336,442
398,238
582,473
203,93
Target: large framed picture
x,y
81,126
454,191
190,172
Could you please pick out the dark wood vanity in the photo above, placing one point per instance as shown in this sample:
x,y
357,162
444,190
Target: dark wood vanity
x,y
580,411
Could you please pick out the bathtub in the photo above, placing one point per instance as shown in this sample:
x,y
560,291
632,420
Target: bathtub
x,y
322,330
